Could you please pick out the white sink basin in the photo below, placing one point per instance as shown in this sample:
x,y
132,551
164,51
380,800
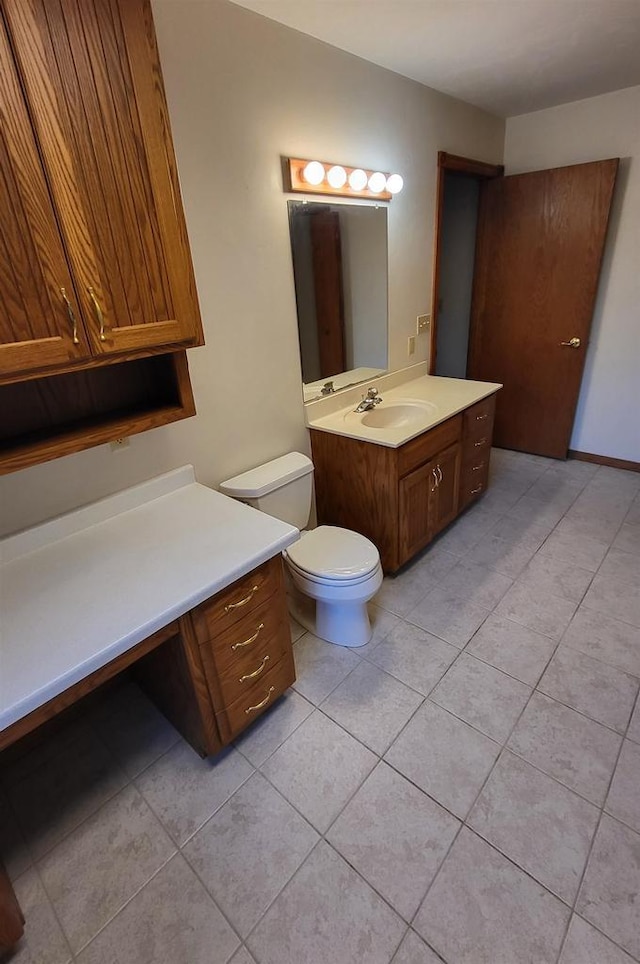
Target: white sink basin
x,y
397,414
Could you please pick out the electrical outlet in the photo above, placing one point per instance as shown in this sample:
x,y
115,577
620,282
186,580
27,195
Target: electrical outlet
x,y
119,443
422,323
411,345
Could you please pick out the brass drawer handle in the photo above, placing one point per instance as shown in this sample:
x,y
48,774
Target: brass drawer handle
x,y
256,672
480,465
481,418
477,489
435,480
241,602
482,441
247,642
72,316
439,474
258,706
98,310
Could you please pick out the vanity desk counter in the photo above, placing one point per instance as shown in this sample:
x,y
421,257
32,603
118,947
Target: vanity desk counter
x,y
403,467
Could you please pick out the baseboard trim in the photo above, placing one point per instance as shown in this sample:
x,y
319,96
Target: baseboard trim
x,y
604,460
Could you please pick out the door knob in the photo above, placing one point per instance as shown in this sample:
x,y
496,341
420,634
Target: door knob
x,y
572,343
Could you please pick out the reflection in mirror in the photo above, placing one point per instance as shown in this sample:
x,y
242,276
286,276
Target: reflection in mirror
x,y
340,271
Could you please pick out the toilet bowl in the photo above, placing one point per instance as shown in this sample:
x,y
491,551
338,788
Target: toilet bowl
x,y
333,572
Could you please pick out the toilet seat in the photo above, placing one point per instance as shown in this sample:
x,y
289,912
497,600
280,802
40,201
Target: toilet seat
x,y
331,553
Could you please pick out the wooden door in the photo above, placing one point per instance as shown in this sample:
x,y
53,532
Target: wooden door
x,y
92,79
36,328
443,496
539,249
415,506
326,252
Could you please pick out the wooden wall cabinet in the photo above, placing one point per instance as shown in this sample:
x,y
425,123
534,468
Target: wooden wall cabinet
x,y
402,498
95,267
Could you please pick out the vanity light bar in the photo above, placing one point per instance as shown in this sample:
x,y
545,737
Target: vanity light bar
x,y
319,177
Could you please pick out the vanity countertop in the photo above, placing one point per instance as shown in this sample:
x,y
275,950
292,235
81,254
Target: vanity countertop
x,y
446,397
80,590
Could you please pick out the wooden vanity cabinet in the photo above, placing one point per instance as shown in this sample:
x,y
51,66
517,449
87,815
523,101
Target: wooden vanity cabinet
x,y
402,498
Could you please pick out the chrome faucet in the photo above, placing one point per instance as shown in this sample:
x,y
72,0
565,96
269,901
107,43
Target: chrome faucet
x,y
327,389
369,401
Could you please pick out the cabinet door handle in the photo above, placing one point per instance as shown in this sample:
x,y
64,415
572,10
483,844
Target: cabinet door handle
x,y
247,642
439,474
480,465
256,672
481,418
435,480
98,311
477,489
258,706
72,316
482,441
241,602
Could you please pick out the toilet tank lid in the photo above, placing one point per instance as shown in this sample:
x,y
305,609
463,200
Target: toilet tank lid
x,y
268,477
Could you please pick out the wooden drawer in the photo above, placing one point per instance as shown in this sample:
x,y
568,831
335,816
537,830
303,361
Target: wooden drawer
x,y
237,646
261,694
420,450
474,481
220,612
476,450
478,420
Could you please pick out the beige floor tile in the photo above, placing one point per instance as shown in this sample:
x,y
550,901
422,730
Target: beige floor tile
x,y
183,790
482,696
621,565
43,941
541,510
477,584
372,706
414,656
248,851
568,545
529,532
484,910
319,768
539,824
599,691
93,872
395,836
242,957
435,562
508,558
415,951
605,638
271,730
382,623
609,894
576,751
399,594
295,629
512,648
446,758
320,667
633,732
628,538
555,577
549,615
172,919
586,945
610,596
448,616
467,531
327,913
623,801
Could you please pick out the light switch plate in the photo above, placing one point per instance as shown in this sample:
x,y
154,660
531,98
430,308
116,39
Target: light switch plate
x,y
422,323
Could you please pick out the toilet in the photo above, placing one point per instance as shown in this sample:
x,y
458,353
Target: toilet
x,y
333,572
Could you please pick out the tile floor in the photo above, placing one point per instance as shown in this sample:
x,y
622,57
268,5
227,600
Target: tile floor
x,y
465,788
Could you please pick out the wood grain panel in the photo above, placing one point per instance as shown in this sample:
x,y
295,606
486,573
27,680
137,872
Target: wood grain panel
x,y
444,498
326,255
539,249
425,446
357,487
414,519
235,718
236,648
35,330
228,607
11,917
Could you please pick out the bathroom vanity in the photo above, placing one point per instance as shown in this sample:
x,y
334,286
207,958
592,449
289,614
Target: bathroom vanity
x,y
401,474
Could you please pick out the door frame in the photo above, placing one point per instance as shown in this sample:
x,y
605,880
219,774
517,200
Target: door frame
x,y
465,166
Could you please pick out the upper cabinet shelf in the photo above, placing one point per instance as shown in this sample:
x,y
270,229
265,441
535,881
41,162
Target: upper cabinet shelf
x,y
94,256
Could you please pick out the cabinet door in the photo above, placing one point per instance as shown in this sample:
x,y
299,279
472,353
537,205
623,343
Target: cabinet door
x,y
444,496
92,79
416,494
36,329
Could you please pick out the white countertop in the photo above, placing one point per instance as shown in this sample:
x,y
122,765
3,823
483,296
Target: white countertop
x,y
447,396
80,590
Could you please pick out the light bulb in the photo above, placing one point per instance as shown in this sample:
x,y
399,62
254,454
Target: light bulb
x,y
337,176
394,183
377,182
358,180
314,173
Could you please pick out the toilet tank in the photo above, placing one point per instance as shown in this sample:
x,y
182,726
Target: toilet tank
x,y
281,488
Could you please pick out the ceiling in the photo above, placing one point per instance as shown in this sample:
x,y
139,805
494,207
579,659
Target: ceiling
x,y
506,56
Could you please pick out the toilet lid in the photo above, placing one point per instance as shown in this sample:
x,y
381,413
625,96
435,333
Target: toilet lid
x,y
334,552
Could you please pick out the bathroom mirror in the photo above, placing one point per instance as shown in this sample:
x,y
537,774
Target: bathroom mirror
x,y
340,271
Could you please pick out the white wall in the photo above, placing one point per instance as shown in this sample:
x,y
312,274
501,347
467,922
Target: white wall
x,y
243,91
607,418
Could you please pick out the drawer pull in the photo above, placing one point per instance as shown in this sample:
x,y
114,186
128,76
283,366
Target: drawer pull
x,y
477,489
482,441
439,474
247,642
72,317
241,602
435,480
480,465
256,672
98,311
258,706
481,418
